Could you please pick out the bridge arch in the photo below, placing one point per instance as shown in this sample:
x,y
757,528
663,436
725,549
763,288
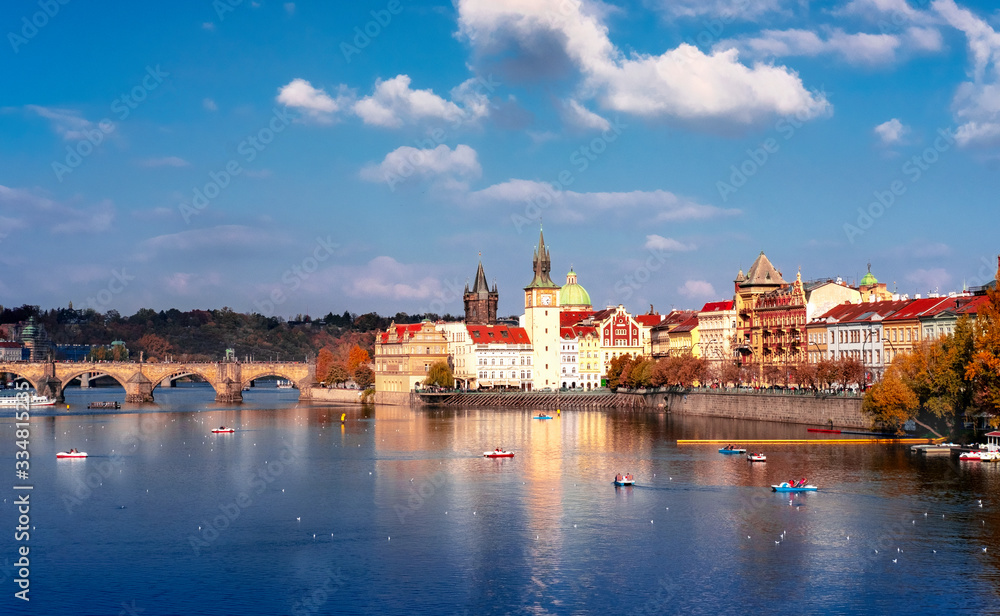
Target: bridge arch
x,y
66,380
32,379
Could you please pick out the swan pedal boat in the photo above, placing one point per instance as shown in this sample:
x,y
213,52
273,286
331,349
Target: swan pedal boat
x,y
756,458
785,487
732,451
223,430
624,482
71,454
498,454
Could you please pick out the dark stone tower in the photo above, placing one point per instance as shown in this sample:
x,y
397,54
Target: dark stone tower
x,y
481,302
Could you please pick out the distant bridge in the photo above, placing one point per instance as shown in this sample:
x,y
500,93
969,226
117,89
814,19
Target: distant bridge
x,y
139,378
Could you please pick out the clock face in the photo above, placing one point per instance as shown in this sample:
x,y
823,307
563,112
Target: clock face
x,y
546,300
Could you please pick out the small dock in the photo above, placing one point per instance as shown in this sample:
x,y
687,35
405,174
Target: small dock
x,y
104,404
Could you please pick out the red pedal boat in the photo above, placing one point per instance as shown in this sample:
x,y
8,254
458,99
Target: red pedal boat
x,y
498,453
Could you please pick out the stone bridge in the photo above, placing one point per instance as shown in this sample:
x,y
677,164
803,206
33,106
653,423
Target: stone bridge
x,y
139,379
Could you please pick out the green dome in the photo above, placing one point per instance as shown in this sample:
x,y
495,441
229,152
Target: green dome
x,y
869,280
572,294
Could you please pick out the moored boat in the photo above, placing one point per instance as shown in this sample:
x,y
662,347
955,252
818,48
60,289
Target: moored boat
x,y
498,453
33,400
72,453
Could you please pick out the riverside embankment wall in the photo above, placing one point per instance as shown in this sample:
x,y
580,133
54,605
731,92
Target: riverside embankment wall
x,y
353,396
841,412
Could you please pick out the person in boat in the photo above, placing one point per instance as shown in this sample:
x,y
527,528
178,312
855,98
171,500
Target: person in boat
x,y
802,482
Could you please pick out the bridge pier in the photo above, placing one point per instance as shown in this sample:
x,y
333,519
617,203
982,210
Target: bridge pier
x,y
51,387
229,391
139,389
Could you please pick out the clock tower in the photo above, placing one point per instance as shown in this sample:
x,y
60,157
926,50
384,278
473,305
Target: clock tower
x,y
541,320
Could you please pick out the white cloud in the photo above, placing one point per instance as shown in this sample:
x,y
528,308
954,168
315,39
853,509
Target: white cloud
x,y
208,25
165,161
885,12
409,163
65,218
384,277
316,103
209,105
290,8
930,280
681,83
723,10
67,123
858,48
891,131
658,242
188,284
578,116
976,104
394,103
569,206
695,289
227,239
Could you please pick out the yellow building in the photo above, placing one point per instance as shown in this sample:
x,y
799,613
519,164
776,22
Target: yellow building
x,y
685,338
405,353
589,350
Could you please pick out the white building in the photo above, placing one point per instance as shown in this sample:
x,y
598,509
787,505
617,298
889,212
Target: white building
x,y
489,356
716,331
569,359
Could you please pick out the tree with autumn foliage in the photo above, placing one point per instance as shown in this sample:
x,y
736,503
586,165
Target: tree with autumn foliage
x,y
324,361
155,347
337,374
983,368
356,357
890,402
364,376
615,368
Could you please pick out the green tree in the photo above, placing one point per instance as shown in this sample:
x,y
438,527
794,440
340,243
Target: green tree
x,y
440,375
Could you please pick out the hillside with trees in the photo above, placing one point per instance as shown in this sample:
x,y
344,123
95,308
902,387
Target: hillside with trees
x,y
204,335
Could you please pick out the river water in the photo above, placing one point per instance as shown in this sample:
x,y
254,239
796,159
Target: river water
x,y
395,511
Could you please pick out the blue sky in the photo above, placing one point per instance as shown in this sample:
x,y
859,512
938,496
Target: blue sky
x,y
311,157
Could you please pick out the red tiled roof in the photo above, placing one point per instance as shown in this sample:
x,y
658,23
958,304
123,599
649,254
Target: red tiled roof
x,y
498,334
674,317
572,317
916,308
649,320
584,330
5,344
401,332
717,306
686,326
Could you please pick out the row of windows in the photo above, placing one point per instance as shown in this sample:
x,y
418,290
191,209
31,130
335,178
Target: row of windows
x,y
525,361
502,374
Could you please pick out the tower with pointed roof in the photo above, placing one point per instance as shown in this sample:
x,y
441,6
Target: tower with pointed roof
x,y
480,301
541,319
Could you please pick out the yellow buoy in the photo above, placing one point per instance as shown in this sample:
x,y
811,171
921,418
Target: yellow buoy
x,y
558,411
342,416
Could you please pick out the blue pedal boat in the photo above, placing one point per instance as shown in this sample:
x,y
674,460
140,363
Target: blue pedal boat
x,y
786,487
